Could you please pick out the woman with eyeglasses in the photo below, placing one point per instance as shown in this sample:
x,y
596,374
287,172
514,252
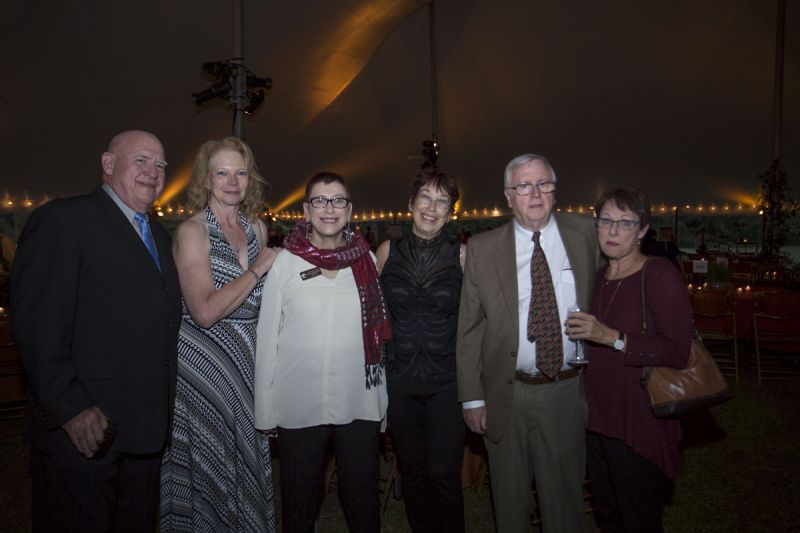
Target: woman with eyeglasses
x,y
632,455
320,361
421,278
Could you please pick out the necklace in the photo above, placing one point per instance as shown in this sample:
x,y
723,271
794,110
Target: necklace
x,y
622,275
600,301
635,266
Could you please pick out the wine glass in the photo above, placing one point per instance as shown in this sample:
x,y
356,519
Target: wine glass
x,y
579,355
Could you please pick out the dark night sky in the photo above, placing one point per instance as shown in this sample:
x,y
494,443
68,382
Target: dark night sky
x,y
674,97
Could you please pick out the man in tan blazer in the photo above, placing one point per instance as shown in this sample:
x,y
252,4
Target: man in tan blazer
x,y
533,425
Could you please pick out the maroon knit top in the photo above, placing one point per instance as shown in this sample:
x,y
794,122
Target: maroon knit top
x,y
618,406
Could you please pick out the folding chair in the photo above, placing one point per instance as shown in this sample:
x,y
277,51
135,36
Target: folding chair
x,y
715,319
776,332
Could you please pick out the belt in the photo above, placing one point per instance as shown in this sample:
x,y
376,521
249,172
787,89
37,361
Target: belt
x,y
540,379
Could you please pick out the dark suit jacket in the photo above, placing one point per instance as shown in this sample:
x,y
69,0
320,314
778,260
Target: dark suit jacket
x,y
96,323
488,319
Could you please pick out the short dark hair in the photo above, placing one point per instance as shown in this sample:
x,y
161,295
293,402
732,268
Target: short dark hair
x,y
629,198
324,177
438,179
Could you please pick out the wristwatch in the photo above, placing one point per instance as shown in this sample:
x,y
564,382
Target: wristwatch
x,y
619,344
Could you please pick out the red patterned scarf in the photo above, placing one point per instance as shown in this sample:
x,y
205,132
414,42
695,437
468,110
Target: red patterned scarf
x,y
375,325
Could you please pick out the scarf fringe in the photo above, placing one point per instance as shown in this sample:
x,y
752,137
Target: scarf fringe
x,y
373,373
373,370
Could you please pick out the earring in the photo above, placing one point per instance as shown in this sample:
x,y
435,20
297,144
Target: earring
x,y
308,230
348,235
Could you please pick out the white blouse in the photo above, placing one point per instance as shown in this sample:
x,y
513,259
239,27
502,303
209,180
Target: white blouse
x,y
309,367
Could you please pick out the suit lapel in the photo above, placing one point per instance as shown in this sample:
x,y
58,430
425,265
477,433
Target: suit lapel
x,y
505,263
123,230
162,246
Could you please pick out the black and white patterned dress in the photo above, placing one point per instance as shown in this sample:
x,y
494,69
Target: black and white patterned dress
x,y
216,473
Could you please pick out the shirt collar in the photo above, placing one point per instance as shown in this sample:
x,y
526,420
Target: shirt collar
x,y
526,235
129,213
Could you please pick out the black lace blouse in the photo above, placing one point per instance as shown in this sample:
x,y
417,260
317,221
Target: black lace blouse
x,y
422,284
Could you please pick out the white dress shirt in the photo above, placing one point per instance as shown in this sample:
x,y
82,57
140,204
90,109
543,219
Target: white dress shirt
x,y
129,213
310,351
563,283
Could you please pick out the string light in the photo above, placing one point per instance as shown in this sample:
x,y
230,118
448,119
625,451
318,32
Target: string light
x,y
495,212
26,203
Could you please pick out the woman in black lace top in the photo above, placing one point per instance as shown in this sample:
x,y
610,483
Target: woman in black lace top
x,y
421,279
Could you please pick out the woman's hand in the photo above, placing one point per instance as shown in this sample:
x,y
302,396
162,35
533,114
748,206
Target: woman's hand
x,y
586,327
207,304
264,261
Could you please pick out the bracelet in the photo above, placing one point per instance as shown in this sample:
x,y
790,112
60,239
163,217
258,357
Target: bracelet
x,y
253,272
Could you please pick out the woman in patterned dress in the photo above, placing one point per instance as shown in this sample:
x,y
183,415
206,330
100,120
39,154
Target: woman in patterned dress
x,y
217,474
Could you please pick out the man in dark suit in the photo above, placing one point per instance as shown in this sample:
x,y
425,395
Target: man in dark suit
x,y
95,308
512,354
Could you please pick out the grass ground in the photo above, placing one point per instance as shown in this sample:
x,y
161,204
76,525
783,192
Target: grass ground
x,y
741,464
740,472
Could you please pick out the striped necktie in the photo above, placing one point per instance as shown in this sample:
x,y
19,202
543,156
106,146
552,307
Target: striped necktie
x,y
544,325
147,237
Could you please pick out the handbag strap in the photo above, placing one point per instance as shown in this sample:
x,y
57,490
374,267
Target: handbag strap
x,y
646,371
644,304
695,333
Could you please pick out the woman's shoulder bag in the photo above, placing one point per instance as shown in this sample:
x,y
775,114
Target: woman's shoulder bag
x,y
674,392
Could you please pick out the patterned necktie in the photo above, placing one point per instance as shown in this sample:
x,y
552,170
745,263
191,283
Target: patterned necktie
x,y
544,325
147,237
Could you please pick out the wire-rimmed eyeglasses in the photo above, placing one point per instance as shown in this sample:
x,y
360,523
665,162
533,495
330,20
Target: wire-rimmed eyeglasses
x,y
607,223
441,204
321,202
525,188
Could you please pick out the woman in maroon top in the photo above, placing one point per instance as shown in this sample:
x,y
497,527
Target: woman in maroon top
x,y
632,455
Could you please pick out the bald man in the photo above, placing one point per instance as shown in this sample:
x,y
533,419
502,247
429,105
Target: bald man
x,y
95,308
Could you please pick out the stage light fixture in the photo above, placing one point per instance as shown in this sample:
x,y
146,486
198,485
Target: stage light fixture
x,y
256,82
221,89
254,100
216,70
243,91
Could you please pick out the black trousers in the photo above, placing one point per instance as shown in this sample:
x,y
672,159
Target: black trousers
x,y
116,492
428,432
303,454
630,491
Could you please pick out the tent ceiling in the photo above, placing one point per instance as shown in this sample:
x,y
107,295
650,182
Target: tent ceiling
x,y
672,97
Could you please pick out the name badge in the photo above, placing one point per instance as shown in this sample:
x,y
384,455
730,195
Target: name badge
x,y
308,274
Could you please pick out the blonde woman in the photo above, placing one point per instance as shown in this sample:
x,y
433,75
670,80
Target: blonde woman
x,y
216,474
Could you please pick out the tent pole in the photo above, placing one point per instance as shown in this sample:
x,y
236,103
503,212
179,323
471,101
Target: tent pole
x,y
434,77
240,77
777,98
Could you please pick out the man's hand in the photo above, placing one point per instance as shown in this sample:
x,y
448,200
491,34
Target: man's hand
x,y
85,430
476,419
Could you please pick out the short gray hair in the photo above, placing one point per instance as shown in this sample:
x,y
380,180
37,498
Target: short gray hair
x,y
522,160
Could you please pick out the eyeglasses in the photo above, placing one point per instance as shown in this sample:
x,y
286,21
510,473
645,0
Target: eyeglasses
x,y
525,188
606,223
441,204
321,202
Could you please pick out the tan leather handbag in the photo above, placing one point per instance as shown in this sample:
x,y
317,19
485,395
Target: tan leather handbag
x,y
674,392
